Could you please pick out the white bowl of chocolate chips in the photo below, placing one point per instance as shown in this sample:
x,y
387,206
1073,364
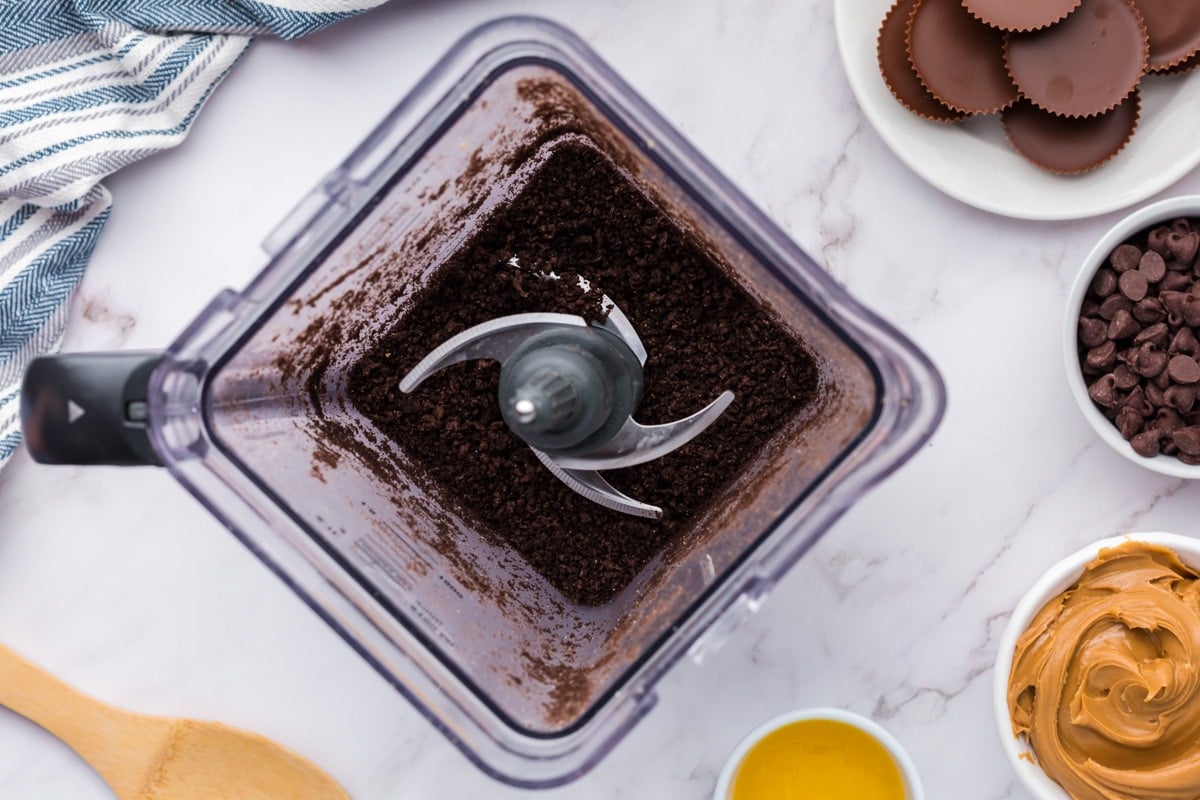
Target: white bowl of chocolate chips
x,y
1132,337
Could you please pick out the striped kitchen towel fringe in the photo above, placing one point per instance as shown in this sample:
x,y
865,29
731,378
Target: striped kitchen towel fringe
x,y
87,87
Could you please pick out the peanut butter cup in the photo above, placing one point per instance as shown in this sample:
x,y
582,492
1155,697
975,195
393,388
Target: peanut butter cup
x,y
959,59
1182,67
1070,145
898,73
1174,30
1021,15
1084,65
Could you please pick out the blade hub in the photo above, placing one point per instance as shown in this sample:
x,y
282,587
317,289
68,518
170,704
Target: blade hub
x,y
569,390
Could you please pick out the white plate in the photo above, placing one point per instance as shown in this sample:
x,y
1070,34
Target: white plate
x,y
972,161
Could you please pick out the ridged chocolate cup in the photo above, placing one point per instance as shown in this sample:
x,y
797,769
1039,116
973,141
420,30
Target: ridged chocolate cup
x,y
1020,15
1185,66
1070,145
958,59
1084,65
891,47
1173,27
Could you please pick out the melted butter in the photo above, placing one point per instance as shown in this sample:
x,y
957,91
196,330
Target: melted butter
x,y
818,759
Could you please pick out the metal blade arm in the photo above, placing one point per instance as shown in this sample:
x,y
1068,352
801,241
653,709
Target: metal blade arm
x,y
594,487
635,443
619,324
494,340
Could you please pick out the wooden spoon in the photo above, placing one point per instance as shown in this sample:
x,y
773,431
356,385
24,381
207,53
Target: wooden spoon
x,y
158,758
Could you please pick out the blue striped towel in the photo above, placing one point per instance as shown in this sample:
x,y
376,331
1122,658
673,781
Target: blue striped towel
x,y
86,87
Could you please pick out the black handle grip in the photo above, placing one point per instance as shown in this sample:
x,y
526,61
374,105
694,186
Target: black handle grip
x,y
88,408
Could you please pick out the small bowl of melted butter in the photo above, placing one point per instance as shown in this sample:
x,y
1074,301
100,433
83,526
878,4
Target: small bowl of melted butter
x,y
819,752
1097,681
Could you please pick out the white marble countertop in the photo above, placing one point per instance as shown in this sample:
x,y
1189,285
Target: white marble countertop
x,y
116,580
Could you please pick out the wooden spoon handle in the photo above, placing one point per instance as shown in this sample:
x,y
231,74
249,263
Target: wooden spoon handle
x,y
33,693
106,737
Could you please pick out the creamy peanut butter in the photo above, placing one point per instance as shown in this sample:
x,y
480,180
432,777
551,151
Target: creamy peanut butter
x,y
1105,681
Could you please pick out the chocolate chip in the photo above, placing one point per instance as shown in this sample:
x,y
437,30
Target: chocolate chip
x,y
1148,361
1156,239
1152,269
1123,325
1093,331
1146,444
1152,263
1182,246
1154,396
1173,302
1167,421
1125,378
1184,342
1180,398
1183,369
1103,356
1115,303
1104,392
1136,401
1105,283
1125,257
1187,440
1129,423
1149,311
1191,311
1175,281
1157,334
1134,285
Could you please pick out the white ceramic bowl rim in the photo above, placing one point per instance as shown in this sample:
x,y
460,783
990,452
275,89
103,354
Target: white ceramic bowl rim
x,y
908,770
1053,582
1145,217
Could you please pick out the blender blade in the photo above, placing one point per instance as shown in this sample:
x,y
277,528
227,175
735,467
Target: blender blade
x,y
569,389
594,487
635,443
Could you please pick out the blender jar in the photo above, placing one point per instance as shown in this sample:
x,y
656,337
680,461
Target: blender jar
x,y
248,409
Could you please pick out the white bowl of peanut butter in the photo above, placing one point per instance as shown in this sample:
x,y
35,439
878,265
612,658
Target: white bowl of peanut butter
x,y
1097,681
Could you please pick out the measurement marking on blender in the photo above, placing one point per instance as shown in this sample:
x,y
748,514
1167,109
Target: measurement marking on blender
x,y
383,564
417,562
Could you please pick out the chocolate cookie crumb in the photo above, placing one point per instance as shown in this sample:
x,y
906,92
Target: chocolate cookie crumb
x,y
704,334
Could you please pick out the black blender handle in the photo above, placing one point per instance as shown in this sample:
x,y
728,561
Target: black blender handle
x,y
88,408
